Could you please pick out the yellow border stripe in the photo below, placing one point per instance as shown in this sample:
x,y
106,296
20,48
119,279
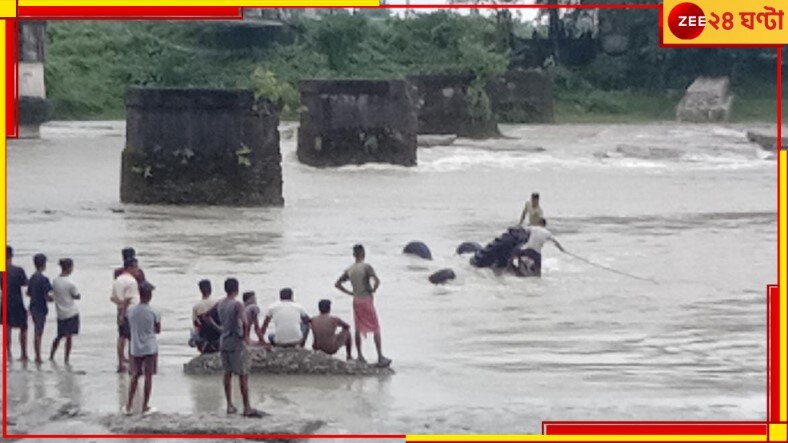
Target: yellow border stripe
x,y
7,8
703,438
783,159
3,143
238,3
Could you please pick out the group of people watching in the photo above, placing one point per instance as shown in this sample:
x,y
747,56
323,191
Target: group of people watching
x,y
290,320
223,326
233,322
61,291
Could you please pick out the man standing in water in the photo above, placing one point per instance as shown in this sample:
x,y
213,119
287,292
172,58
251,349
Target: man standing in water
x,y
232,348
532,211
364,283
65,292
40,292
144,323
17,314
539,235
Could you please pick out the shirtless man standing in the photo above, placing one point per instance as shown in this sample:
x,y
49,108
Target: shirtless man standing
x,y
364,283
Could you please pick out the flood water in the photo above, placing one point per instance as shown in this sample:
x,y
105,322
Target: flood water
x,y
693,207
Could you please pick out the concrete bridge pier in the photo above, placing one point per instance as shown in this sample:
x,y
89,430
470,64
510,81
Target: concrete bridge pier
x,y
34,108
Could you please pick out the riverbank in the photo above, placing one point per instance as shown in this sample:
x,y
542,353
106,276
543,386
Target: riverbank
x,y
642,107
630,107
105,57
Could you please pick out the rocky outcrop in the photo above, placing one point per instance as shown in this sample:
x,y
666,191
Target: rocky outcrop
x,y
62,416
707,100
352,122
432,140
767,139
442,276
29,417
200,146
210,424
523,96
286,361
443,107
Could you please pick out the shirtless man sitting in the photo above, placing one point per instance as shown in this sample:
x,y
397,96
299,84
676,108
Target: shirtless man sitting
x,y
324,331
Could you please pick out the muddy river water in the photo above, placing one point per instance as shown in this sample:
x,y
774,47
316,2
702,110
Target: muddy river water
x,y
693,207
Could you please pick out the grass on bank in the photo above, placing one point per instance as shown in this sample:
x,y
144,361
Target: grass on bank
x,y
641,107
90,65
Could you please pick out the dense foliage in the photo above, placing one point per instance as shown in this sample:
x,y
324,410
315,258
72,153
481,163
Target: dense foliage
x,y
91,63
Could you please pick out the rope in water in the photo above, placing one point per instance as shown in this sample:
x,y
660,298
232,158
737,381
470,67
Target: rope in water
x,y
651,280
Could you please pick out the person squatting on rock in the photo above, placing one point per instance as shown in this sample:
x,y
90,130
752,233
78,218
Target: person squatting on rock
x,y
64,293
325,337
252,313
291,322
144,323
364,283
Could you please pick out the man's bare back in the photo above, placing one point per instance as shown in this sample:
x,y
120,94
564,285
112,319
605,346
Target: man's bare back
x,y
325,335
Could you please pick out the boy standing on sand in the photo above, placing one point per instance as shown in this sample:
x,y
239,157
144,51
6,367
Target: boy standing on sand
x,y
144,324
125,293
64,291
231,346
16,312
40,292
364,283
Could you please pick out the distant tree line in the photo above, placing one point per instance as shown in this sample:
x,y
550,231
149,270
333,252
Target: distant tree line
x,y
91,63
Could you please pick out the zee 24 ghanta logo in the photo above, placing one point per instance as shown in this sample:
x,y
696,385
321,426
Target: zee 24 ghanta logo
x,y
687,21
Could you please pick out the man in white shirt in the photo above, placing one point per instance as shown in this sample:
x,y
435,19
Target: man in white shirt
x,y
532,211
291,322
125,293
530,259
64,292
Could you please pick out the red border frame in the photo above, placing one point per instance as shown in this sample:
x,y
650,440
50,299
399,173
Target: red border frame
x,y
130,12
548,427
12,79
654,428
